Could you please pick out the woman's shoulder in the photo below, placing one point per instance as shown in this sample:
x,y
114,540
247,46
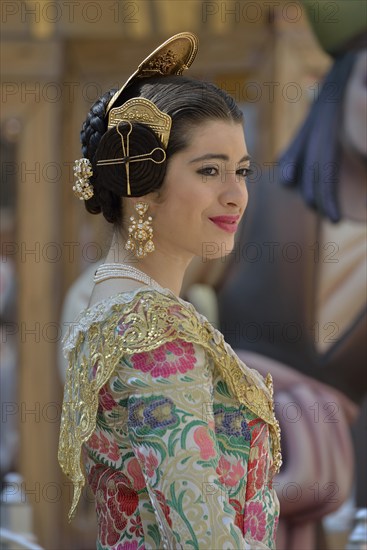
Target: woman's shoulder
x,y
146,319
147,310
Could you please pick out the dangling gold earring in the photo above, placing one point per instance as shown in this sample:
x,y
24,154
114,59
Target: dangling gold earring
x,y
140,239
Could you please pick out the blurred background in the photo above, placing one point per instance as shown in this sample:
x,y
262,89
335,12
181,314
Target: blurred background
x,y
57,58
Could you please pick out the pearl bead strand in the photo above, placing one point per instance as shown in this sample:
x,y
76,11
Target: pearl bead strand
x,y
112,271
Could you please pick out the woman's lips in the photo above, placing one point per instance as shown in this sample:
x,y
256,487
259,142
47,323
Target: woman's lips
x,y
227,223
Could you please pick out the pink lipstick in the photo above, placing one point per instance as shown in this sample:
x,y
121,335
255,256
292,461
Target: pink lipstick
x,y
227,223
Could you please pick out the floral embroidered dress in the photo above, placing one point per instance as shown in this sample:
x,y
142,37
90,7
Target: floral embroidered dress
x,y
177,437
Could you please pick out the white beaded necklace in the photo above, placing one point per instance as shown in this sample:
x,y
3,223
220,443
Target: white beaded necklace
x,y
111,271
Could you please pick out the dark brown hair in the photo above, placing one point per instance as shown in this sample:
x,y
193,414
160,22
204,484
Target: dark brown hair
x,y
188,102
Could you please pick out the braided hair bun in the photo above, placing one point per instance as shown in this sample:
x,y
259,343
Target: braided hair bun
x,y
110,181
146,160
92,131
188,102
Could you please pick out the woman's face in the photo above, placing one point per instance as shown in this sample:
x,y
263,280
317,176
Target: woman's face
x,y
355,106
204,193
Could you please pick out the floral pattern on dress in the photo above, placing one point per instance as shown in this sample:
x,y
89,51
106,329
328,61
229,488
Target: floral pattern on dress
x,y
104,446
133,545
232,423
149,461
133,468
116,502
230,474
205,443
154,412
239,508
165,508
258,460
255,520
172,446
171,358
106,401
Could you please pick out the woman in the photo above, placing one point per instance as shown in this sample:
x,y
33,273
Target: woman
x,y
179,438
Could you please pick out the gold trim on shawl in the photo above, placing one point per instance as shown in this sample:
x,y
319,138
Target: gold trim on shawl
x,y
148,321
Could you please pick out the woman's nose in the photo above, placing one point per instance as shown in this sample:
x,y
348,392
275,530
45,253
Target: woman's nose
x,y
235,192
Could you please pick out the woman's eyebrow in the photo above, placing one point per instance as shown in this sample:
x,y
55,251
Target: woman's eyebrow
x,y
210,156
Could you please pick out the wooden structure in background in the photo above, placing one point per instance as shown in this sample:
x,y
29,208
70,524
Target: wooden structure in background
x,y
54,67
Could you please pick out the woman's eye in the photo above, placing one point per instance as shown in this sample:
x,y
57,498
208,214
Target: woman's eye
x,y
209,171
213,171
244,172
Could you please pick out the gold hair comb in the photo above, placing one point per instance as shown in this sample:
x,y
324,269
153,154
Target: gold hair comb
x,y
139,109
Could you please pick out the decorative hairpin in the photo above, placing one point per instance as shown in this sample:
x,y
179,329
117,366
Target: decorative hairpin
x,y
83,171
126,159
138,109
172,57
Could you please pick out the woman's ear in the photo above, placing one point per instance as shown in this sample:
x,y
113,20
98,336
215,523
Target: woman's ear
x,y
155,197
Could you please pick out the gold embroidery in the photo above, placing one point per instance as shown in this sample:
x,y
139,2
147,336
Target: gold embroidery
x,y
161,64
148,321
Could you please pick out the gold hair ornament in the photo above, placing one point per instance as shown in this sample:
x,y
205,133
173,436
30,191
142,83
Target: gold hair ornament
x,y
83,171
144,111
170,58
139,109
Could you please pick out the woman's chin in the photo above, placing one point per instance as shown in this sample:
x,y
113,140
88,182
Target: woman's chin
x,y
214,250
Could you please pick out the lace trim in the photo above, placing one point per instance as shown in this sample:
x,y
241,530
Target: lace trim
x,y
97,313
148,319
